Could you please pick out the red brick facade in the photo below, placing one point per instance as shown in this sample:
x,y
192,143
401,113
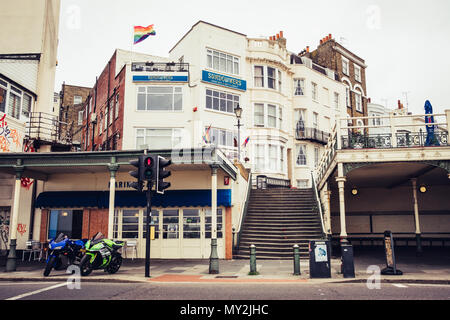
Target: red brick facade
x,y
327,55
108,92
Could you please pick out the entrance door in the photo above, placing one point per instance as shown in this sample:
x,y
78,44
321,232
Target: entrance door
x,y
170,246
4,227
193,236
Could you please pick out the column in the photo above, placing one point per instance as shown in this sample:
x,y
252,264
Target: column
x,y
341,181
11,262
416,216
113,167
214,258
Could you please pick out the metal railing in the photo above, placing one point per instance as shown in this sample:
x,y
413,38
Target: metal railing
x,y
265,182
313,134
319,205
47,128
244,213
159,67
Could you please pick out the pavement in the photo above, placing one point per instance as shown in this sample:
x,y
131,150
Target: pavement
x,y
432,267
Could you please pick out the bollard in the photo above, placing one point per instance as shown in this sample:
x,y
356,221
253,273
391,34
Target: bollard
x,y
253,260
296,260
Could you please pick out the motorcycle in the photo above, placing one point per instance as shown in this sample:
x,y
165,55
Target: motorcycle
x,y
64,252
101,253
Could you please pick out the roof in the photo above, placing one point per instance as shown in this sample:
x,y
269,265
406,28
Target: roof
x,y
207,23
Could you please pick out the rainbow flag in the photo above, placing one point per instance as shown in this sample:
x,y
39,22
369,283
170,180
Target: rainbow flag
x,y
142,33
206,137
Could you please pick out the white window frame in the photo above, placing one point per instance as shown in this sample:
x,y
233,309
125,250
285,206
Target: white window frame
x,y
336,100
147,94
297,154
314,96
80,98
357,72
265,107
345,66
225,97
231,62
80,117
358,100
299,86
258,78
116,107
176,136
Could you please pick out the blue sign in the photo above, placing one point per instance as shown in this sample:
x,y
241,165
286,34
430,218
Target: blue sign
x,y
225,81
160,78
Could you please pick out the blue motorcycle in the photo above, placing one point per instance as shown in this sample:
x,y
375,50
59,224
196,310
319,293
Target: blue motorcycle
x,y
63,252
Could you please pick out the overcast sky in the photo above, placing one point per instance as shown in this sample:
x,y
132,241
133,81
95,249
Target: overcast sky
x,y
406,44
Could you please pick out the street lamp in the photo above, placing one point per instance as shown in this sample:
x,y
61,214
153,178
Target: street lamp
x,y
238,113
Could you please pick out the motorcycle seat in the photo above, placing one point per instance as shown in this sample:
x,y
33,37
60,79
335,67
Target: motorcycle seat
x,y
117,247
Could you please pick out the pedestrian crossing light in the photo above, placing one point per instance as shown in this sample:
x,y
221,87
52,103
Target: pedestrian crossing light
x,y
149,167
161,185
138,185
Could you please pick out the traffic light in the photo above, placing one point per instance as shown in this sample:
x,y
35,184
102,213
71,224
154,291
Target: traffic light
x,y
161,185
138,185
149,167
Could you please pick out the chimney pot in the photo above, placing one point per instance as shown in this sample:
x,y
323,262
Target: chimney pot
x,y
281,34
307,49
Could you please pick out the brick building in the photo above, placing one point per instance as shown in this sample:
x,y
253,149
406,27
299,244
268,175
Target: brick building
x,y
71,101
350,69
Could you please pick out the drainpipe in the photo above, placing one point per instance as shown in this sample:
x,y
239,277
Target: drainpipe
x,y
107,106
33,208
95,108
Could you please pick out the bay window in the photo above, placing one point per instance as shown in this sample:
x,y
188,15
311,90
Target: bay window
x,y
259,76
268,115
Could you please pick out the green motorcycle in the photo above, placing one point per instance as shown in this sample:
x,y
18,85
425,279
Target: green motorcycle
x,y
101,253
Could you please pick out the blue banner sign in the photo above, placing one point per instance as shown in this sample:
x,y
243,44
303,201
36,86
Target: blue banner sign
x,y
160,78
225,81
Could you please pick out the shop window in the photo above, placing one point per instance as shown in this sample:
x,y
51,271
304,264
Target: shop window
x,y
69,222
208,222
130,224
191,224
170,224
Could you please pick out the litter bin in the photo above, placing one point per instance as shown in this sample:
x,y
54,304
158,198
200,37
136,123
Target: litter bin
x,y
319,259
348,265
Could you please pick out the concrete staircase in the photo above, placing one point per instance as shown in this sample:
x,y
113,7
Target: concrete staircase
x,y
276,220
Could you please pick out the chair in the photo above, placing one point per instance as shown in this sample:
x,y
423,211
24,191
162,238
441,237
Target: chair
x,y
33,248
130,244
43,250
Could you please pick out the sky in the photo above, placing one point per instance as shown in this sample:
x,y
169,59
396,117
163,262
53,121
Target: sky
x,y
405,44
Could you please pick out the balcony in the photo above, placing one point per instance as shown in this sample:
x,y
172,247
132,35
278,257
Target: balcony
x,y
47,129
159,67
312,134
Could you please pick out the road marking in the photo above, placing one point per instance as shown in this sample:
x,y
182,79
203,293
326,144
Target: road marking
x,y
399,285
37,291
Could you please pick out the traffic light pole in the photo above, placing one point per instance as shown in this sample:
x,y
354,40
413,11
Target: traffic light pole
x,y
147,227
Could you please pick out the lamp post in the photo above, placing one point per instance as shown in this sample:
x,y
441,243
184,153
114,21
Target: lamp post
x,y
238,113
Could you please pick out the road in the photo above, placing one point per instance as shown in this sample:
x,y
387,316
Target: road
x,y
221,291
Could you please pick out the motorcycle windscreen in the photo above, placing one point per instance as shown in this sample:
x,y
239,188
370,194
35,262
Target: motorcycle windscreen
x,y
98,236
60,237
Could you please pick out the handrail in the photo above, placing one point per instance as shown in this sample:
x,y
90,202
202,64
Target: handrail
x,y
244,210
318,203
264,182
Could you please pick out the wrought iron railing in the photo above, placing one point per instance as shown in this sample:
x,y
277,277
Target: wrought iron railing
x,y
421,139
264,182
160,67
48,128
319,205
313,134
359,141
243,213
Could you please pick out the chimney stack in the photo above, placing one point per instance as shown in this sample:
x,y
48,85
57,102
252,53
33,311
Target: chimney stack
x,y
307,48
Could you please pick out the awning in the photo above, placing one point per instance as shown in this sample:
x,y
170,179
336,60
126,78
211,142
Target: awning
x,y
127,199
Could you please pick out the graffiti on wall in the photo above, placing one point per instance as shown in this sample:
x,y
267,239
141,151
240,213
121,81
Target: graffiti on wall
x,y
27,182
4,228
21,228
10,139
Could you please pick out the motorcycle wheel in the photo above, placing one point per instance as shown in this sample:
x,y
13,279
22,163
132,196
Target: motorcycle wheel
x,y
49,266
59,264
85,266
115,264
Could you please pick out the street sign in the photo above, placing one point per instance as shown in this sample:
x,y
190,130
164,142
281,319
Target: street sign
x,y
391,265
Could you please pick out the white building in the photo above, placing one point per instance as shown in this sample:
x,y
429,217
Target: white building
x,y
289,105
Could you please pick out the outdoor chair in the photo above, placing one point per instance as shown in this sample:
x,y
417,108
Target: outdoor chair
x,y
130,244
33,248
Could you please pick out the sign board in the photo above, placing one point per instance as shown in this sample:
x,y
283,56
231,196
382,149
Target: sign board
x,y
391,266
159,78
224,81
320,252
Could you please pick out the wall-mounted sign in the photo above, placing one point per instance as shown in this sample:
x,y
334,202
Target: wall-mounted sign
x,y
159,78
224,81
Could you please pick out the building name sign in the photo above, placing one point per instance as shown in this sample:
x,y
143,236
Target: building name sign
x,y
224,81
159,78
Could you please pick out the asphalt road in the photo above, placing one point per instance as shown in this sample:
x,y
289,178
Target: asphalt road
x,y
220,291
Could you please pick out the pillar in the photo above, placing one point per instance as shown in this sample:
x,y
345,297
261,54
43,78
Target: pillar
x,y
11,262
416,216
113,167
214,258
341,181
